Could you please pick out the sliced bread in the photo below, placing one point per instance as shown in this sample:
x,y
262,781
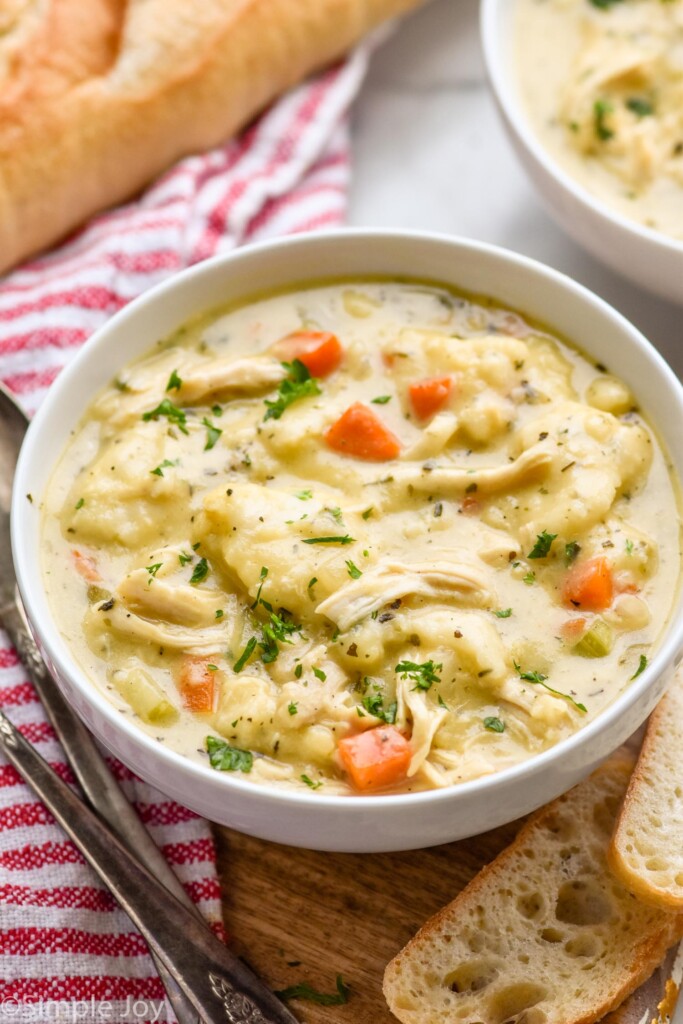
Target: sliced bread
x,y
646,852
545,934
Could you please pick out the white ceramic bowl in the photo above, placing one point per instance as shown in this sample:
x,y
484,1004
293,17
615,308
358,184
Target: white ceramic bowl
x,y
356,824
649,258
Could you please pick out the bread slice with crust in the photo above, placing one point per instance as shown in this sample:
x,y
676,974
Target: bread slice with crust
x,y
646,852
98,97
545,934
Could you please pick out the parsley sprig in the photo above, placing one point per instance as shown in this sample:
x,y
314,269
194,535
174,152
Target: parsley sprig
x,y
305,991
298,384
537,678
424,676
329,540
225,758
544,542
172,413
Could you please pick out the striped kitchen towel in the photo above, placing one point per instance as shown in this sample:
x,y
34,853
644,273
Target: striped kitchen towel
x,y
67,953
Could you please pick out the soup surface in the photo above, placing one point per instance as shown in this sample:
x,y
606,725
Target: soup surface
x,y
602,81
360,537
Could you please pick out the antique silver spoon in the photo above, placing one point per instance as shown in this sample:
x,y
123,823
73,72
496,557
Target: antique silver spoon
x,y
146,887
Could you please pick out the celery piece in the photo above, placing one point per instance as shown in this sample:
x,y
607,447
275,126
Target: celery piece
x,y
596,642
145,696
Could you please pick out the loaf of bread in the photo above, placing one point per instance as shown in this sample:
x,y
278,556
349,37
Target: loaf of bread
x,y
544,934
97,97
647,847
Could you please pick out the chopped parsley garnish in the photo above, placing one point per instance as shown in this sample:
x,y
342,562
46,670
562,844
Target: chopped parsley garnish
x,y
629,547
184,558
245,655
283,995
262,580
329,540
80,503
153,569
503,613
298,671
219,613
604,5
200,571
172,413
353,570
225,758
319,674
368,512
304,495
174,382
311,583
336,514
159,471
276,631
374,705
571,551
642,665
601,111
639,106
541,548
212,668
305,991
539,679
494,724
292,707
529,578
298,384
424,676
217,410
381,400
212,434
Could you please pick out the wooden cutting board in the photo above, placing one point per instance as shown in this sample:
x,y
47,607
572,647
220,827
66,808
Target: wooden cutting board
x,y
296,915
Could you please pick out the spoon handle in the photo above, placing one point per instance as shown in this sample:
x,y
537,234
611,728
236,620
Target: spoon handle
x,y
99,786
220,987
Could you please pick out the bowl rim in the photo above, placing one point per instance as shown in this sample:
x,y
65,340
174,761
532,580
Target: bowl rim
x,y
500,79
31,587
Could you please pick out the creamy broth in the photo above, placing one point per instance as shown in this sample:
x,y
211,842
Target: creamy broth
x,y
603,88
458,538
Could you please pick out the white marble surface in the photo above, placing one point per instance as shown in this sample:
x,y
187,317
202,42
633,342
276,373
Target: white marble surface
x,y
430,153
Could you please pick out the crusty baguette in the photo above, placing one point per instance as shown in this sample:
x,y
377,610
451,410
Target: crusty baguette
x,y
544,934
646,852
97,97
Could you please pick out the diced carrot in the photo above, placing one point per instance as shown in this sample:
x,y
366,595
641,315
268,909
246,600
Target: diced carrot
x,y
359,432
197,683
320,351
376,758
429,396
86,566
589,585
572,630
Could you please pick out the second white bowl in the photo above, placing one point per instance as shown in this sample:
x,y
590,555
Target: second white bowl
x,y
649,258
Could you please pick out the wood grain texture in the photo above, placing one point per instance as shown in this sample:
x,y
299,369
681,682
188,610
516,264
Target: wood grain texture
x,y
296,915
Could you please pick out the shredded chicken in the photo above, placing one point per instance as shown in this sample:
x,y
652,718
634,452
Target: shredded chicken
x,y
426,721
385,583
171,601
166,634
218,377
529,466
433,439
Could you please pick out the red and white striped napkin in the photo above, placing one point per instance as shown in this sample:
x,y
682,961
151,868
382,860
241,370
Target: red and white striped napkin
x,y
67,953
